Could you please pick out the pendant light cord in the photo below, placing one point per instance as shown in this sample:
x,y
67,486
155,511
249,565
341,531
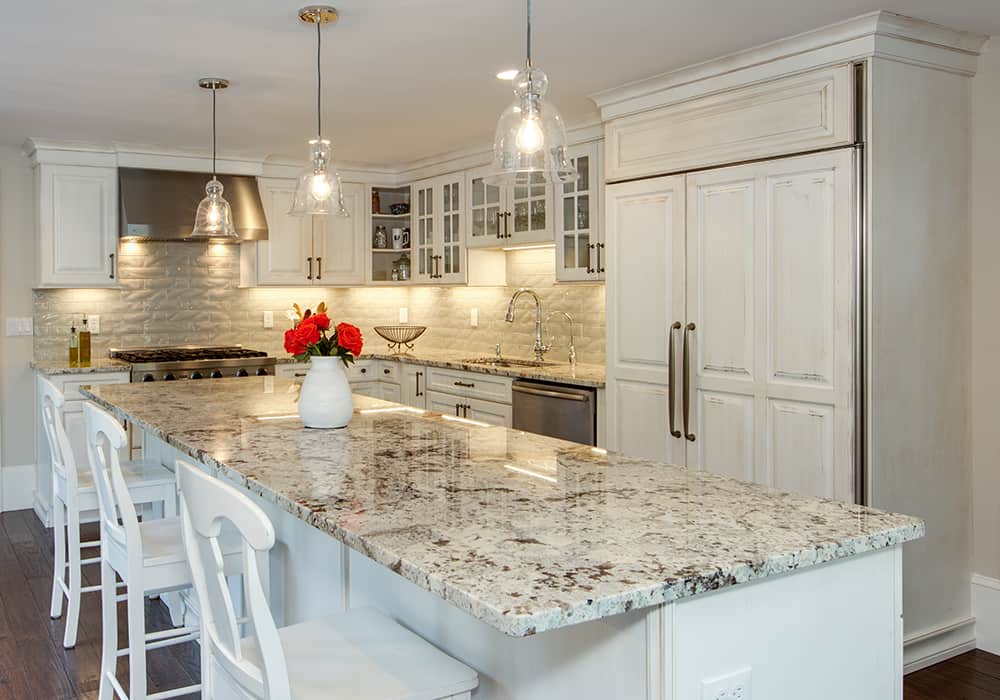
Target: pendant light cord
x,y
529,34
319,82
213,132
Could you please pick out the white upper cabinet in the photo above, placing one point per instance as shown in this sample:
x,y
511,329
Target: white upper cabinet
x,y
310,250
438,217
501,217
77,226
338,242
581,254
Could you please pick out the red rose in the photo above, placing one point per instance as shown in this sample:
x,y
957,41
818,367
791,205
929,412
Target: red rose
x,y
349,338
307,333
322,321
293,345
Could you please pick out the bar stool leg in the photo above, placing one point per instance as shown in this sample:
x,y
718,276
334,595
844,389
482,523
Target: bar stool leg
x,y
109,630
59,556
136,641
73,607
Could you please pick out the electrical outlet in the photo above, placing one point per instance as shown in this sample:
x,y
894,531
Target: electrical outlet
x,y
404,314
268,319
734,686
94,324
474,318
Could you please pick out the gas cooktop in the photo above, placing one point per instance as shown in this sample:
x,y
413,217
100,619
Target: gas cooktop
x,y
168,363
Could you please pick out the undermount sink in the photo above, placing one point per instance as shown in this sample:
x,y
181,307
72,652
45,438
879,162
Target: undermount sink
x,y
505,362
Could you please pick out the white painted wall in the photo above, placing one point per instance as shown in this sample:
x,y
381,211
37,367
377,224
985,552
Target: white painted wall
x,y
17,252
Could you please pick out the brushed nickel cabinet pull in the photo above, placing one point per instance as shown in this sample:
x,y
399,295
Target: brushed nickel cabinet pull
x,y
458,407
671,384
111,275
310,275
590,267
600,266
467,385
687,385
419,375
319,267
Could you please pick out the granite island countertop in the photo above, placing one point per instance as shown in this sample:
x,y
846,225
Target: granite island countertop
x,y
524,532
52,368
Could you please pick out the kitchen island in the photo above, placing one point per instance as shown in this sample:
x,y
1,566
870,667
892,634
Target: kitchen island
x,y
555,570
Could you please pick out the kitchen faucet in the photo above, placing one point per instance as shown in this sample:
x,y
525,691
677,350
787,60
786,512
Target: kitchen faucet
x,y
539,348
572,345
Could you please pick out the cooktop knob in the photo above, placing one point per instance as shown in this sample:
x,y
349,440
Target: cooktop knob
x,y
216,374
261,372
197,375
148,377
169,377
242,373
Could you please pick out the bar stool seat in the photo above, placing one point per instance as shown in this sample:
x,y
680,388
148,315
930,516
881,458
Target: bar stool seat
x,y
363,655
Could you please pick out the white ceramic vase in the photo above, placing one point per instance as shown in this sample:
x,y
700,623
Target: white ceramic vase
x,y
325,400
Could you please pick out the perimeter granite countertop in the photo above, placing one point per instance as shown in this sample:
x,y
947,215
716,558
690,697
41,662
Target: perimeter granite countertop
x,y
524,532
51,368
552,371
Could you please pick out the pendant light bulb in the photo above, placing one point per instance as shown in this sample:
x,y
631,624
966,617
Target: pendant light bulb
x,y
530,142
214,218
319,188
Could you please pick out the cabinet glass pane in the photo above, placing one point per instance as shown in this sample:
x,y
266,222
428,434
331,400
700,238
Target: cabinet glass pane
x,y
583,212
583,250
538,190
520,217
421,208
493,222
456,260
478,192
446,233
492,194
430,202
478,223
447,260
538,215
520,193
569,252
583,169
447,198
569,220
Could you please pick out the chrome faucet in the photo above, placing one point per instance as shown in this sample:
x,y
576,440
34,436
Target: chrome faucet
x,y
572,345
540,348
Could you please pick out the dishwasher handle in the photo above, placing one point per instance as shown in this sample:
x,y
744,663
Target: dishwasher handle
x,y
549,393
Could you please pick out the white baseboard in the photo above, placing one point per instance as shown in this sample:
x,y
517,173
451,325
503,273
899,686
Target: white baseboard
x,y
938,644
17,487
986,608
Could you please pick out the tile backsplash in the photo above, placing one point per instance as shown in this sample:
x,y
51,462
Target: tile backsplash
x,y
177,293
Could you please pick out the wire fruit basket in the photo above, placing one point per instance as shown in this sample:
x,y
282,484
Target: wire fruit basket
x,y
400,337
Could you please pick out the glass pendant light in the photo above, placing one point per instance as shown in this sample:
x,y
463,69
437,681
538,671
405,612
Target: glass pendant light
x,y
530,141
318,190
215,217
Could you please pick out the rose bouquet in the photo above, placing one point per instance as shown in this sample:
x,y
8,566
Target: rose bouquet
x,y
313,334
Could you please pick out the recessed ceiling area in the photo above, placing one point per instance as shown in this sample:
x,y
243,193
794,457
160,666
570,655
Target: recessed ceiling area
x,y
402,79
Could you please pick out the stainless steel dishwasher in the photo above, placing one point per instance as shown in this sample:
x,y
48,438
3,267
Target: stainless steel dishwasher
x,y
561,411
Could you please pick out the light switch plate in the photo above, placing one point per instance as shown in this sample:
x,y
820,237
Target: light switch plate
x,y
94,324
404,314
474,318
19,326
268,319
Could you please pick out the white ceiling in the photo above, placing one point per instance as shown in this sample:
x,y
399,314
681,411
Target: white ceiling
x,y
403,79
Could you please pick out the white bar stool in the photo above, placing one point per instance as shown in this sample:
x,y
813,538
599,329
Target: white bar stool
x,y
358,654
73,492
149,557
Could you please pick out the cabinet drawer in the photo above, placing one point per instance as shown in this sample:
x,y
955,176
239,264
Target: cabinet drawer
x,y
362,371
469,384
295,370
489,412
71,387
387,371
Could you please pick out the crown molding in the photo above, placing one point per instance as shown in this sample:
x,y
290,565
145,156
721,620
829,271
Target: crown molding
x,y
883,34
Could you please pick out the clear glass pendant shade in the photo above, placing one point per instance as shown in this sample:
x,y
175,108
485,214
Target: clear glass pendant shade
x,y
214,218
319,189
530,136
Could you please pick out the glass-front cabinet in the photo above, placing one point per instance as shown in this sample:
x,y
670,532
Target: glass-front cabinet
x,y
580,251
438,223
503,217
390,259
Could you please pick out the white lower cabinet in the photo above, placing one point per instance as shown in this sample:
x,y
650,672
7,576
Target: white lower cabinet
x,y
413,385
730,321
390,391
474,409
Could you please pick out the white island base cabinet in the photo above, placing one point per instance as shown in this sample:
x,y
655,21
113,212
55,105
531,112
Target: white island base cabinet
x,y
829,632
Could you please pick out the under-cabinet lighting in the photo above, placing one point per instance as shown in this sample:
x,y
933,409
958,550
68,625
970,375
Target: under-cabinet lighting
x,y
467,421
394,409
599,451
531,247
528,472
289,416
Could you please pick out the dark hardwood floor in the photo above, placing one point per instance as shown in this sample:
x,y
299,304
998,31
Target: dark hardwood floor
x,y
33,663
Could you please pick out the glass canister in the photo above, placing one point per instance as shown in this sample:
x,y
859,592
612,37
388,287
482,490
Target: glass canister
x,y
402,263
381,238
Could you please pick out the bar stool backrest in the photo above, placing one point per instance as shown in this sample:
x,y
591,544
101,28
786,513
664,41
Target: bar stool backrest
x,y
63,460
105,437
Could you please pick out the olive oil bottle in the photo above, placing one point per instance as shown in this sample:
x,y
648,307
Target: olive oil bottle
x,y
74,347
85,344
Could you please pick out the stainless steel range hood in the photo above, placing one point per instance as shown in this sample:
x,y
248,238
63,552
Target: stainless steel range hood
x,y
160,205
